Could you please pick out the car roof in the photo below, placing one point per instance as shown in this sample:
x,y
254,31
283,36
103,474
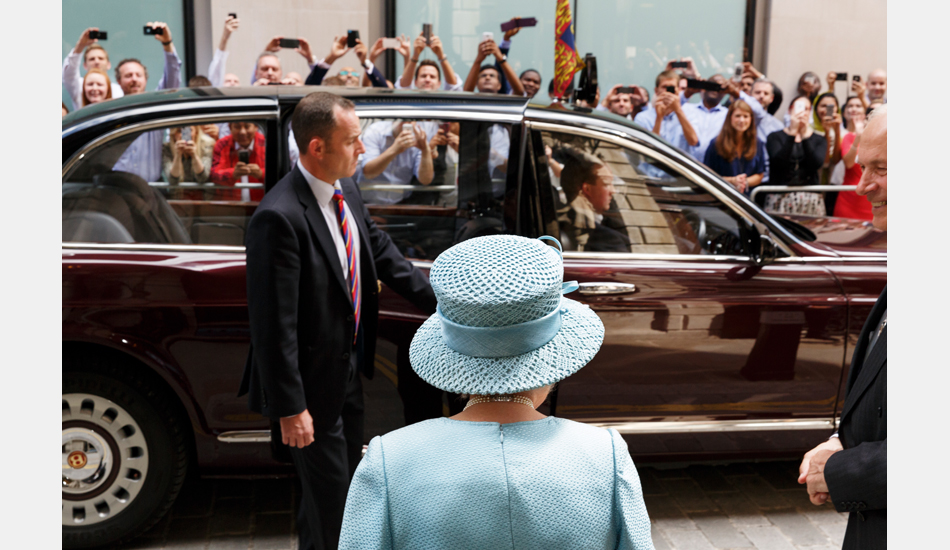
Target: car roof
x,y
292,94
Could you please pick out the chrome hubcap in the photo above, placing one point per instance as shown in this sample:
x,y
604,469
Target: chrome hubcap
x,y
104,459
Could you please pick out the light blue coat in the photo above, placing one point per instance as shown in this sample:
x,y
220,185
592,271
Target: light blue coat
x,y
448,484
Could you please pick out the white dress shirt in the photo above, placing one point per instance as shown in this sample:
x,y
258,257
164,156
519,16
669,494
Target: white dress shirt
x,y
323,192
72,80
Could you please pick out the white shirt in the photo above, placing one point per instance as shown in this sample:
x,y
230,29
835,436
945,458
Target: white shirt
x,y
323,192
72,80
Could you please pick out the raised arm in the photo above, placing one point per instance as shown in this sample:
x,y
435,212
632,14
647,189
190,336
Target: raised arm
x,y
72,80
851,157
171,76
471,80
405,81
436,46
502,60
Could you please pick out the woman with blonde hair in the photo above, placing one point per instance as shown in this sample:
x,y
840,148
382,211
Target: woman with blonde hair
x,y
96,87
736,154
499,474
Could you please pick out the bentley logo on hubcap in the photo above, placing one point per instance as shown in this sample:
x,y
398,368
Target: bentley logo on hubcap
x,y
76,459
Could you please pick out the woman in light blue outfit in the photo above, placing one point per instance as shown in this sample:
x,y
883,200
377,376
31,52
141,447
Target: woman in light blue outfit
x,y
500,474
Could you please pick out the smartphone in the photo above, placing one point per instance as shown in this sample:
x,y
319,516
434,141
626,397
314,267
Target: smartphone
x,y
427,32
679,65
98,35
703,85
154,30
232,14
244,156
518,22
445,127
274,84
351,37
737,74
856,78
290,43
629,89
841,77
671,89
186,133
391,43
488,35
799,108
829,110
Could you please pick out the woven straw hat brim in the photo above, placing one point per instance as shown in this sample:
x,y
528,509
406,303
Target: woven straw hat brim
x,y
574,345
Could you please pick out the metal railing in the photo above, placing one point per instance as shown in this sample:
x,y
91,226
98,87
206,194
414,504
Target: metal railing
x,y
792,188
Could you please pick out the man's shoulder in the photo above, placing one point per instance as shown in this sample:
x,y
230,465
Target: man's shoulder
x,y
281,198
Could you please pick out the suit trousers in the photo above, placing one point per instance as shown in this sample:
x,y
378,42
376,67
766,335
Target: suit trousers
x,y
325,468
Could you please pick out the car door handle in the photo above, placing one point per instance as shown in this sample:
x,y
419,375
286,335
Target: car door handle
x,y
606,289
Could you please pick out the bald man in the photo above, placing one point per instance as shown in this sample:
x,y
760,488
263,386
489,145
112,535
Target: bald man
x,y
850,469
877,86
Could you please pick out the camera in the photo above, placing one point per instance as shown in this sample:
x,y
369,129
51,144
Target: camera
x,y
679,65
232,14
154,30
829,110
587,87
98,35
671,89
841,77
856,78
289,43
627,90
351,38
703,85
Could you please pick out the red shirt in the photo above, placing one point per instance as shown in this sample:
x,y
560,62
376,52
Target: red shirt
x,y
849,203
224,159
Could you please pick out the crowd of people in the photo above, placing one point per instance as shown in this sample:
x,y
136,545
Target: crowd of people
x,y
733,129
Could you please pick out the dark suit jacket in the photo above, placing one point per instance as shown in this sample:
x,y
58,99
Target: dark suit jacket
x,y
301,314
857,476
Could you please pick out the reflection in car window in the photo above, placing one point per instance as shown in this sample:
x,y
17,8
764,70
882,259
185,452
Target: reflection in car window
x,y
432,183
196,184
612,199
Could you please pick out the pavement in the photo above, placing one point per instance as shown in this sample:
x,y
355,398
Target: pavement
x,y
692,507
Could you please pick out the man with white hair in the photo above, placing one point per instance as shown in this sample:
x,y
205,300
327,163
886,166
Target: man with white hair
x,y
850,469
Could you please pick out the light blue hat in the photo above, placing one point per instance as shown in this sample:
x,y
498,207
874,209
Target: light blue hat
x,y
502,325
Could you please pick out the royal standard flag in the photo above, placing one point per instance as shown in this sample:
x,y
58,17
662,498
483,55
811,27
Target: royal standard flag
x,y
566,60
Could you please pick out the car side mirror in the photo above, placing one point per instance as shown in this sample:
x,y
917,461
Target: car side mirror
x,y
758,244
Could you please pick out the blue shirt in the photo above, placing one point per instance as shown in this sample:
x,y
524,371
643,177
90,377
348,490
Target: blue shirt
x,y
670,129
144,156
400,171
549,483
741,165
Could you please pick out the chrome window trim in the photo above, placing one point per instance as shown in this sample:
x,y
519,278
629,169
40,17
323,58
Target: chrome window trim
x,y
714,426
146,247
641,148
245,436
159,123
806,259
565,118
609,256
373,111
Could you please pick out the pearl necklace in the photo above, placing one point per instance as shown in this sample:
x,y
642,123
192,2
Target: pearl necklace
x,y
499,398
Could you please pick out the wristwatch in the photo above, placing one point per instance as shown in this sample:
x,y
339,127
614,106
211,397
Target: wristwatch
x,y
504,58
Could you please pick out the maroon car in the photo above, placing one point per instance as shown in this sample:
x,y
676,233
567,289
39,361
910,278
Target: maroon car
x,y
728,330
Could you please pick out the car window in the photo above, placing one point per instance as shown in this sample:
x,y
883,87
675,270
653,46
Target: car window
x,y
195,184
428,201
614,199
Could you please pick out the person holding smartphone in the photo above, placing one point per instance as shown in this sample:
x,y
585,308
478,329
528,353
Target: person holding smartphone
x,y
240,154
268,68
94,56
427,74
796,154
487,78
665,117
849,203
187,157
217,70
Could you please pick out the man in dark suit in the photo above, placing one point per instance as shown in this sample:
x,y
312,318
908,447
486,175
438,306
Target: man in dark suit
x,y
850,468
313,259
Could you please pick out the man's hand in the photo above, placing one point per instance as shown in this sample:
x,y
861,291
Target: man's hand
x,y
255,171
610,95
166,34
405,47
436,46
273,45
750,68
405,139
338,49
812,468
297,431
231,24
305,51
377,49
484,50
858,87
418,46
831,78
361,52
639,97
85,41
663,104
512,32
421,141
241,169
732,87
261,82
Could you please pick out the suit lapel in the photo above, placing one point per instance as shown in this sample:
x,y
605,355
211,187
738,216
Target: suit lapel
x,y
318,226
873,364
860,349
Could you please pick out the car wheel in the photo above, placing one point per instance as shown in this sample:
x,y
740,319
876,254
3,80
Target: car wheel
x,y
124,459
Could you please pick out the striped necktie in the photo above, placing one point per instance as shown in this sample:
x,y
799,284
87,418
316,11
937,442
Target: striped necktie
x,y
353,274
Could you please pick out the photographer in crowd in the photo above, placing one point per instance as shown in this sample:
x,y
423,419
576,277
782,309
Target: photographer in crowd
x,y
530,78
665,117
216,71
239,157
427,74
875,91
708,117
187,156
849,203
487,77
144,156
339,48
268,68
397,153
94,56
737,154
796,154
624,103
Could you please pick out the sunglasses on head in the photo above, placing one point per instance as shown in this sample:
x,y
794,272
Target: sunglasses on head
x,y
349,73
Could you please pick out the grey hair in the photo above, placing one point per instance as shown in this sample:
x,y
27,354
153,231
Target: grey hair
x,y
879,111
764,80
266,54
